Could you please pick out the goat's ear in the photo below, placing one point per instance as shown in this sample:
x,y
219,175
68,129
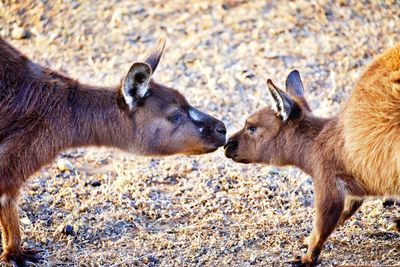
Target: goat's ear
x,y
294,86
136,83
154,58
283,104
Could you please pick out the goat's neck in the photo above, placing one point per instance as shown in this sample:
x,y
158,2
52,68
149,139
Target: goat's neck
x,y
94,118
305,151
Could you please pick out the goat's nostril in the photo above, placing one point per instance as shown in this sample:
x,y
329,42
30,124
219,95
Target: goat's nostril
x,y
221,130
231,143
226,145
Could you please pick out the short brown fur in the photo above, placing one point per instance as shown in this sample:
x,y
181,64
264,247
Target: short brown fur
x,y
350,156
43,112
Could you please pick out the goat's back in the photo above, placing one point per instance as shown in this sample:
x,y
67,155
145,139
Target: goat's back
x,y
371,126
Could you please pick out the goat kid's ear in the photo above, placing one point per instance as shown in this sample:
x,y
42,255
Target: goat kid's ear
x,y
136,83
154,58
294,86
283,104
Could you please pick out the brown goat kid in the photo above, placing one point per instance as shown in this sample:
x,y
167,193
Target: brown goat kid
x,y
43,112
350,156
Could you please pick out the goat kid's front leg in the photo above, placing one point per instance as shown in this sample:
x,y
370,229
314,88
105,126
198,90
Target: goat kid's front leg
x,y
351,206
11,235
329,205
397,223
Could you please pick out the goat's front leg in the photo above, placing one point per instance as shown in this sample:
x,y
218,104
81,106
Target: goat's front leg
x,y
11,236
329,204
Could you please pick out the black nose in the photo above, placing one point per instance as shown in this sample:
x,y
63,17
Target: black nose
x,y
231,144
220,128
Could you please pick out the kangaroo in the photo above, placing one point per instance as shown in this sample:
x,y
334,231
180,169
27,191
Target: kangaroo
x,y
43,112
350,156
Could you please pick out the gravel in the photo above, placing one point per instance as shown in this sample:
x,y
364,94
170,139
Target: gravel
x,y
198,210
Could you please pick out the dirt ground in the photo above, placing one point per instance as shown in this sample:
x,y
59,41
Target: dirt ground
x,y
128,210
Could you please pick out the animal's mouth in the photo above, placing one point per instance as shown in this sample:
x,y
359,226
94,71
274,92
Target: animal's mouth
x,y
213,146
229,153
219,141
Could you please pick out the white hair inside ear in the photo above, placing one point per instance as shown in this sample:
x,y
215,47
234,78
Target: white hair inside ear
x,y
278,104
136,83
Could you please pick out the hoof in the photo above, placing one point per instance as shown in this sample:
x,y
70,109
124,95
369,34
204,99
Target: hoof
x,y
302,262
305,241
22,258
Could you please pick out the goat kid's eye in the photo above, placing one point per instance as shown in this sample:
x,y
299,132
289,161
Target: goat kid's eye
x,y
175,118
252,129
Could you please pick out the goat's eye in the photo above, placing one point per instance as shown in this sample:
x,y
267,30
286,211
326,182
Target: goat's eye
x,y
175,118
252,128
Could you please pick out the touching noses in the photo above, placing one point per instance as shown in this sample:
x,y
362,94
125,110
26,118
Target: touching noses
x,y
231,144
209,126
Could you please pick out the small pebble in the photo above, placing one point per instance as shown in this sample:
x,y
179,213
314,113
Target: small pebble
x,y
253,258
68,229
65,165
152,259
95,183
25,221
20,33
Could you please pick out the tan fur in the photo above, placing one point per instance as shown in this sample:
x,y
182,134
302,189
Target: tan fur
x,y
350,156
43,112
371,126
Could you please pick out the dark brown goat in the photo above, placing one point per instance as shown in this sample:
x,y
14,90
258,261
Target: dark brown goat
x,y
350,156
43,112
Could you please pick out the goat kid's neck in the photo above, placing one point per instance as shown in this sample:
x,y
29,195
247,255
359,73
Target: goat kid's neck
x,y
304,144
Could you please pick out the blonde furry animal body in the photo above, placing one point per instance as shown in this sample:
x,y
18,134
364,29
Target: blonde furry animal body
x,y
371,126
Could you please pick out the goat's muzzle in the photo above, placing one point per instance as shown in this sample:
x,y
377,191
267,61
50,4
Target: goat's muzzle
x,y
230,148
220,133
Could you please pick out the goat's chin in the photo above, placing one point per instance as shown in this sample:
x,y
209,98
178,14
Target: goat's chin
x,y
244,161
204,150
170,152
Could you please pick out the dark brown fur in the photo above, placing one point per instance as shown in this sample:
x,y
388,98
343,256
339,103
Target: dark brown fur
x,y
43,112
345,166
